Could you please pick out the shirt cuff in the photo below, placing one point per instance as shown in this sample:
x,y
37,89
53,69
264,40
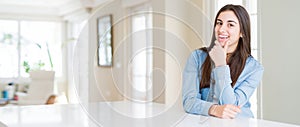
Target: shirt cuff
x,y
206,108
222,73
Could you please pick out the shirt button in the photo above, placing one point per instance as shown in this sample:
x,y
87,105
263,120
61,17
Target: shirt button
x,y
213,81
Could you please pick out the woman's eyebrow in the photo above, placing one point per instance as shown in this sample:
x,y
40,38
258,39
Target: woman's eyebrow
x,y
219,20
232,21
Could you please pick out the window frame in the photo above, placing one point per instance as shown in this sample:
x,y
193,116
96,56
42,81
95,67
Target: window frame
x,y
19,45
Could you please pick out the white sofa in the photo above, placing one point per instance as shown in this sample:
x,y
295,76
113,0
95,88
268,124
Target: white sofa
x,y
40,89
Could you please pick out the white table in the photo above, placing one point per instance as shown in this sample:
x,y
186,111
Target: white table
x,y
116,114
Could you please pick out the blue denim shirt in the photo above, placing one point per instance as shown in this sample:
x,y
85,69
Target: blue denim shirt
x,y
198,101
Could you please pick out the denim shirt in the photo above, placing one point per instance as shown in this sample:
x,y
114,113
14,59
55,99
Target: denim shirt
x,y
198,101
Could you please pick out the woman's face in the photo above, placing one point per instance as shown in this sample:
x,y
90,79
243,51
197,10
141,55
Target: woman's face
x,y
228,29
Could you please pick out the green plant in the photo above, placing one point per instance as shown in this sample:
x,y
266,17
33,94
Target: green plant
x,y
39,65
26,66
7,38
36,66
49,56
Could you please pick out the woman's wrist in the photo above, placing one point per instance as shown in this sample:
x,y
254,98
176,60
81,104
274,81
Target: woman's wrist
x,y
212,110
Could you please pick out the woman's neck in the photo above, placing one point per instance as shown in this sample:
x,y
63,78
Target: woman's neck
x,y
228,55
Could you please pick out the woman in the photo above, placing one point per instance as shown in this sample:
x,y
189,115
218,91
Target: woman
x,y
219,80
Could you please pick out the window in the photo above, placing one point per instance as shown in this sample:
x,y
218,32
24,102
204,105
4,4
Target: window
x,y
36,42
141,54
9,49
251,6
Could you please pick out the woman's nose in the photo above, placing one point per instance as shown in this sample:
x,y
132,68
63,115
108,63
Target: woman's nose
x,y
222,29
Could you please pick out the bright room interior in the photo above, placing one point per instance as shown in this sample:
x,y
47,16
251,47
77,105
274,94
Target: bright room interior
x,y
57,43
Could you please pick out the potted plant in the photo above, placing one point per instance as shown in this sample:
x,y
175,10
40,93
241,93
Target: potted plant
x,y
38,65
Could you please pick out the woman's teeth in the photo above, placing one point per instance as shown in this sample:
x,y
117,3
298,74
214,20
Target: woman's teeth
x,y
223,37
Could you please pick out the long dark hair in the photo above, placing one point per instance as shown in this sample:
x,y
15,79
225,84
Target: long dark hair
x,y
238,58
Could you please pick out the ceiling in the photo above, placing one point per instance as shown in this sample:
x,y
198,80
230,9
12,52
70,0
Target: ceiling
x,y
45,7
35,3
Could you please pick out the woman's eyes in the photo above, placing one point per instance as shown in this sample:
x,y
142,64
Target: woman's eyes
x,y
229,24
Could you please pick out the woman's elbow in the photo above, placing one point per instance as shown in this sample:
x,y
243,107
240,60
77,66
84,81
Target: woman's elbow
x,y
187,105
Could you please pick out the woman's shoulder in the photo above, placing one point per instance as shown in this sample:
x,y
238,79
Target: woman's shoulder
x,y
201,52
198,55
253,63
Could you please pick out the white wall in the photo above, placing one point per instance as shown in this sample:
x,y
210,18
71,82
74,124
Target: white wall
x,y
179,28
113,83
104,85
279,35
188,27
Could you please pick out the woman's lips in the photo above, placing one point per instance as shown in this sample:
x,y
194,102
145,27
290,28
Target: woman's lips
x,y
222,39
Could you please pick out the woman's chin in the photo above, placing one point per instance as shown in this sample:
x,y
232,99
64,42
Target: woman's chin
x,y
222,42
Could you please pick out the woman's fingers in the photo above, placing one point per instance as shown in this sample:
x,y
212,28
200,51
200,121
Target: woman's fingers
x,y
237,109
227,115
218,54
217,43
226,45
228,111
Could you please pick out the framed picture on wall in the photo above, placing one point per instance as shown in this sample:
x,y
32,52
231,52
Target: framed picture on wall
x,y
105,42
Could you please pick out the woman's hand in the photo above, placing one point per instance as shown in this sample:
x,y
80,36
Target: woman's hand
x,y
218,53
224,111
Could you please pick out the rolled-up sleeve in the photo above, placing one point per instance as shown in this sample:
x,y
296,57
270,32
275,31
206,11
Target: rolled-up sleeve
x,y
192,102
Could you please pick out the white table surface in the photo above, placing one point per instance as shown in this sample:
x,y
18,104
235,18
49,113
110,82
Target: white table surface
x,y
115,114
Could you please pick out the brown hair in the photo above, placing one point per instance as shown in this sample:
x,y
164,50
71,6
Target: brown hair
x,y
238,58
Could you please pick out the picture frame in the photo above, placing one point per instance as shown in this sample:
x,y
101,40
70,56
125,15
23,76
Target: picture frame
x,y
105,41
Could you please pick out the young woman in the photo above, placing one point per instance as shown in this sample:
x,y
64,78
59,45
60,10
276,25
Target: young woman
x,y
219,80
